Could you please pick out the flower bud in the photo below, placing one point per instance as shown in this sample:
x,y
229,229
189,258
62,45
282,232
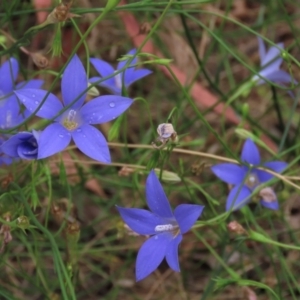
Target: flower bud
x,y
166,130
40,60
268,195
23,222
236,228
168,176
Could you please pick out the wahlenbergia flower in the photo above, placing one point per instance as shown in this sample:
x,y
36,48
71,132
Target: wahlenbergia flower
x,y
8,76
165,227
114,83
247,177
270,62
22,145
75,122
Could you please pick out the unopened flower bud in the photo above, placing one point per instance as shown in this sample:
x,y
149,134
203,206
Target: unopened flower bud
x,y
92,91
268,195
166,130
23,222
168,176
236,228
40,60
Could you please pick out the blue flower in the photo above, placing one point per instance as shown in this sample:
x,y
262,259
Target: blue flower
x,y
247,177
8,100
22,145
114,83
165,227
75,122
270,62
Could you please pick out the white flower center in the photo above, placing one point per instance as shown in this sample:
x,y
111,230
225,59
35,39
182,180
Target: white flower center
x,y
71,119
118,80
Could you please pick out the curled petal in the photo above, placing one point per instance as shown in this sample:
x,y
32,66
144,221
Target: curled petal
x,y
8,75
230,173
156,198
172,253
9,147
140,221
92,143
237,198
74,83
151,255
52,140
33,98
104,109
186,215
271,205
250,153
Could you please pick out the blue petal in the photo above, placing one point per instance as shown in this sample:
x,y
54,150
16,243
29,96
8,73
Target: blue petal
x,y
122,63
103,68
156,197
262,49
280,76
273,56
32,98
172,253
135,75
104,109
52,140
8,75
92,143
236,198
140,221
31,84
74,83
229,173
10,146
271,205
108,84
186,215
151,255
276,166
250,153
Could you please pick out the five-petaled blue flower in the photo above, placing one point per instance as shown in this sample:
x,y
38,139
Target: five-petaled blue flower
x,y
22,145
247,177
75,122
165,226
114,83
270,62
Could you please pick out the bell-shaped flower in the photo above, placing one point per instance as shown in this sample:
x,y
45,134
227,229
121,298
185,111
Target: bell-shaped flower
x,y
270,62
116,77
164,226
247,177
77,119
22,145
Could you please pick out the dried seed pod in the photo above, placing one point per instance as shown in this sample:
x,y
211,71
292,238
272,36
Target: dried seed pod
x,y
60,14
